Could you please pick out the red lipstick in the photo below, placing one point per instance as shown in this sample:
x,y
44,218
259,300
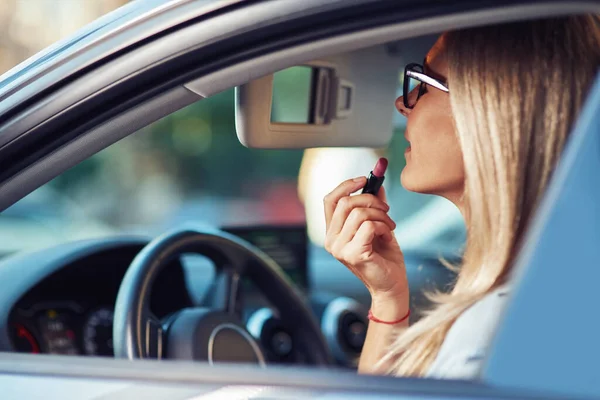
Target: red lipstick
x,y
376,177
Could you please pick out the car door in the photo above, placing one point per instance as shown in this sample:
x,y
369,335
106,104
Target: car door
x,y
60,125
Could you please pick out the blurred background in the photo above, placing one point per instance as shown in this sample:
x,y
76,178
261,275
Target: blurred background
x,y
28,26
186,167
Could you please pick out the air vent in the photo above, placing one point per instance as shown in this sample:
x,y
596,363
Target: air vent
x,y
344,324
269,331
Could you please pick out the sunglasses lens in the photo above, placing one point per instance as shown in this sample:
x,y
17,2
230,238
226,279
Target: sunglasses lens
x,y
412,84
413,91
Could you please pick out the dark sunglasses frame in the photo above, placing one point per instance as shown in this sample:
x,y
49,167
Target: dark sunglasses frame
x,y
416,71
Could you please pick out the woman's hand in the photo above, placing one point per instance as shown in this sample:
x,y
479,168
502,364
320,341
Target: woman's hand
x,y
360,235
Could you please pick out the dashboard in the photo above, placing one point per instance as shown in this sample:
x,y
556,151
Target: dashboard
x,y
71,311
60,300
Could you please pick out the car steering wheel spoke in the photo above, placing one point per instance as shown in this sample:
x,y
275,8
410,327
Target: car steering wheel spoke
x,y
152,335
224,293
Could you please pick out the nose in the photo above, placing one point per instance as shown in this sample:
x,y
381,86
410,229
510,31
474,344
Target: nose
x,y
412,95
401,108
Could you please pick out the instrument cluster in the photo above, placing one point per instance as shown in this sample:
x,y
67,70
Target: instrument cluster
x,y
66,328
70,311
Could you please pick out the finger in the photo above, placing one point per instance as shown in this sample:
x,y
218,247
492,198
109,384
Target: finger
x,y
382,195
368,231
344,189
349,203
358,217
360,249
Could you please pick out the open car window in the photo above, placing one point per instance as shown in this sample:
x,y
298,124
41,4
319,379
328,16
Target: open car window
x,y
190,167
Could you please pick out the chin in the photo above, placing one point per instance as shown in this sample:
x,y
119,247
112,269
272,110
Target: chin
x,y
408,182
412,183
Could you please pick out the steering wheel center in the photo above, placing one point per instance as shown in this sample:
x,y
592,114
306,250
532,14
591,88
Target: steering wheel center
x,y
202,334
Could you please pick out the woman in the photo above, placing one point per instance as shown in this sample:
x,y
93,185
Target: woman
x,y
486,124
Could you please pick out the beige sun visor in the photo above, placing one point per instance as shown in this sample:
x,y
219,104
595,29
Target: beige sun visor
x,y
345,100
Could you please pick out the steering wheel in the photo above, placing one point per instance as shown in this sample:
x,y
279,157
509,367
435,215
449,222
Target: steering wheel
x,y
215,333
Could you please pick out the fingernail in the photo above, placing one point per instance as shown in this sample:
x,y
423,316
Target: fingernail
x,y
360,178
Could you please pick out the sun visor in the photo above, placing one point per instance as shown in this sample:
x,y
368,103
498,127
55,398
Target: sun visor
x,y
342,101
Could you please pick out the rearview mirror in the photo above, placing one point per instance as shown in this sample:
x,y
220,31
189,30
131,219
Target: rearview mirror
x,y
339,102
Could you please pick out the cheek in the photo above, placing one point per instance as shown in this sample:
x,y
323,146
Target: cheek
x,y
434,164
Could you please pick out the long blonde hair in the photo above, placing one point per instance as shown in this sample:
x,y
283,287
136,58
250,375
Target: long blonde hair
x,y
515,90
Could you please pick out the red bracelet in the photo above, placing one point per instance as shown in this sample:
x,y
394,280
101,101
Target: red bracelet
x,y
375,319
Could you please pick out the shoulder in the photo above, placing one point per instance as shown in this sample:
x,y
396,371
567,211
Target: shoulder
x,y
465,345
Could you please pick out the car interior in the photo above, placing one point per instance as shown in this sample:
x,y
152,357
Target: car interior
x,y
64,295
201,210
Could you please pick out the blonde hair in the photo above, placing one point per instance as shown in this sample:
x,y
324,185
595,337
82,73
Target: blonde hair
x,y
515,90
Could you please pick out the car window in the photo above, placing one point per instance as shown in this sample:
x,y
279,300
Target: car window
x,y
190,166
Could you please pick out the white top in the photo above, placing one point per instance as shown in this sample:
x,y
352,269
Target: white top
x,y
465,346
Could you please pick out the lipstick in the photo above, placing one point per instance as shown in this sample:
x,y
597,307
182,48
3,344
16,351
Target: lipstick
x,y
376,177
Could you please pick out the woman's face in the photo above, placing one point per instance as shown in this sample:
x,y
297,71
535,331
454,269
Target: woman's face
x,y
434,162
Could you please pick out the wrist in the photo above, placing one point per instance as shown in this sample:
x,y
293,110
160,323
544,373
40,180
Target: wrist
x,y
389,307
374,318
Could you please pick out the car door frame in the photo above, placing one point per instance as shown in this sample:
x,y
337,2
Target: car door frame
x,y
123,92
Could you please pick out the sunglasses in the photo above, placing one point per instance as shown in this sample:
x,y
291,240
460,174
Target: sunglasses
x,y
414,76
